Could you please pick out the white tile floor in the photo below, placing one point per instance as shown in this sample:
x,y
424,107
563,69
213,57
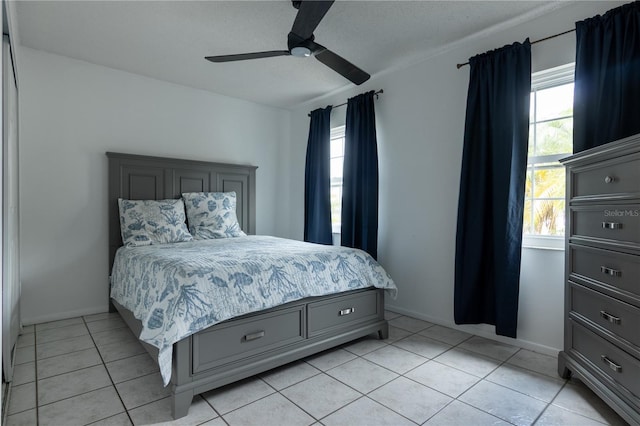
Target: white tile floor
x,y
92,370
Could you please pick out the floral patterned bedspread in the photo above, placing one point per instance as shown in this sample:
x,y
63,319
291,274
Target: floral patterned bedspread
x,y
179,289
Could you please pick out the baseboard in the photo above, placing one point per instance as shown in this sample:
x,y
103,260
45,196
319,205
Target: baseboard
x,y
478,330
65,315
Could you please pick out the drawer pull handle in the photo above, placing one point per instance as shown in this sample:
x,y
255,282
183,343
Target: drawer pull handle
x,y
347,311
609,271
611,225
612,365
254,336
611,318
609,179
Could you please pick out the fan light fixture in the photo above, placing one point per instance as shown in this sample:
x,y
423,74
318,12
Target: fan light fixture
x,y
301,52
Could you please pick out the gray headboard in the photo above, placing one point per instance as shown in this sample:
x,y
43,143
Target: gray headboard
x,y
139,177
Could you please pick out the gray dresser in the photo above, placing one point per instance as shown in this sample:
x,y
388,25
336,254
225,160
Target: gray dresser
x,y
602,294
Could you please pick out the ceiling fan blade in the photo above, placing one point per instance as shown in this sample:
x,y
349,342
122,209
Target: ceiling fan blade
x,y
244,56
309,16
340,65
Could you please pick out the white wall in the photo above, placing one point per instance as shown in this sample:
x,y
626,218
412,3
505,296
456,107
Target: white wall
x,y
71,113
420,121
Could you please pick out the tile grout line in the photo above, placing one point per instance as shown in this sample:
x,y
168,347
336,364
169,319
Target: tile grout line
x,y
438,412
366,395
392,409
134,378
362,394
427,359
541,413
214,410
328,375
68,372
69,397
547,403
293,402
296,383
61,340
108,373
480,378
476,384
500,364
238,408
470,387
505,362
345,405
567,383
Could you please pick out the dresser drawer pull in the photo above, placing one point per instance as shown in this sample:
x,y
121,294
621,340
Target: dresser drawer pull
x,y
609,179
612,319
609,271
611,225
347,311
612,365
254,336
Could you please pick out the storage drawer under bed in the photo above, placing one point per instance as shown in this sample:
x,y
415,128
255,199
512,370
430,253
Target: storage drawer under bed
x,y
345,310
244,338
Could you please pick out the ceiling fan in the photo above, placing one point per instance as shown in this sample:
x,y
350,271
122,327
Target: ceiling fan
x,y
300,43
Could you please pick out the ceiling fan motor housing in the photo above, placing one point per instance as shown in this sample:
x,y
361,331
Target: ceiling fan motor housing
x,y
300,47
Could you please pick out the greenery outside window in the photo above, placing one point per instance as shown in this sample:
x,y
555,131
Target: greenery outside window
x,y
550,139
337,161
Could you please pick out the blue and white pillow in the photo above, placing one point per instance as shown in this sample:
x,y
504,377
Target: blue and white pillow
x,y
146,222
212,215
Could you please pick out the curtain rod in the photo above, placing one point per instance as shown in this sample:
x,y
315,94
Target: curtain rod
x,y
377,94
533,42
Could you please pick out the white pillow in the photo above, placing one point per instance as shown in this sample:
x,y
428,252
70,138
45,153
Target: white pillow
x,y
212,215
146,222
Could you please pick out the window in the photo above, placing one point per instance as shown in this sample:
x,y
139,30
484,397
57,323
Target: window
x,y
550,139
337,160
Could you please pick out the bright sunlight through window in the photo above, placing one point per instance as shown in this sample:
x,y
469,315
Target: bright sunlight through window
x,y
337,160
550,139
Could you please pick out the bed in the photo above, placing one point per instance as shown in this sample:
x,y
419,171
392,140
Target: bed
x,y
235,347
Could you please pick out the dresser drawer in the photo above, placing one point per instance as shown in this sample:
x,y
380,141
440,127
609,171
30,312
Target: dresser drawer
x,y
342,310
610,360
619,318
612,177
615,269
223,344
607,222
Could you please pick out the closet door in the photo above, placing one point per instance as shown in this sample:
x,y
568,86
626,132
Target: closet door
x,y
10,223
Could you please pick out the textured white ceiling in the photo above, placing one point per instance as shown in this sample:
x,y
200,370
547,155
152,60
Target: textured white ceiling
x,y
168,40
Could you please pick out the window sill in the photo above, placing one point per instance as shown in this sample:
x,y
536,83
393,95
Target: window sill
x,y
541,242
533,247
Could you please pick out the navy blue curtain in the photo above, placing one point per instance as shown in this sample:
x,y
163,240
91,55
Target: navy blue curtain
x,y
360,176
317,179
491,202
607,80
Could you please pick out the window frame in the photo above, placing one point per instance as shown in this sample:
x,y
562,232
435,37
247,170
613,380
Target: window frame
x,y
541,80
